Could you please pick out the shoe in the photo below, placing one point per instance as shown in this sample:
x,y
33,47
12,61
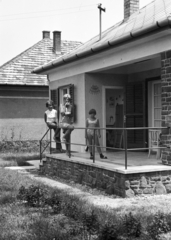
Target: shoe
x,y
102,156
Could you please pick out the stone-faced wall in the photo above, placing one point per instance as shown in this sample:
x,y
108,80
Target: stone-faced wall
x,y
86,174
110,181
166,104
148,183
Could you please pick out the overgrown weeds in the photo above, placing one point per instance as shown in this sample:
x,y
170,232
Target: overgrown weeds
x,y
31,211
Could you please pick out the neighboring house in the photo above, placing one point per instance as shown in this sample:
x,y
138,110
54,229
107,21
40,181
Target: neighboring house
x,y
124,75
23,95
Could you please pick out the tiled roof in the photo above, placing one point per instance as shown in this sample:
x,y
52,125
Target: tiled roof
x,y
18,70
153,17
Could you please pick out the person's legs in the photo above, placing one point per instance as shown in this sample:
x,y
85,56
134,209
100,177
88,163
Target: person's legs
x,y
90,143
97,143
67,133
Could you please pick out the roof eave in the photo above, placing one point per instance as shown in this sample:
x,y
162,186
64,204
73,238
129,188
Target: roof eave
x,y
158,25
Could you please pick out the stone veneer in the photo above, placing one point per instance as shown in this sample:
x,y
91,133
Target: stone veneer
x,y
110,181
166,104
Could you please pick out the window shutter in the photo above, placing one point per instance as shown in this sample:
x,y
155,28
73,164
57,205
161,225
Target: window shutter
x,y
54,97
71,92
135,114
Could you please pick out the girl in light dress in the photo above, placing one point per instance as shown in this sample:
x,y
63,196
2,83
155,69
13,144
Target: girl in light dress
x,y
93,122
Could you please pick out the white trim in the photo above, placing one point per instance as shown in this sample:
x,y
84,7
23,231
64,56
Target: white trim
x,y
24,97
104,108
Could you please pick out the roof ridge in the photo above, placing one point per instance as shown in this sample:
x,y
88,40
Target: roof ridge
x,y
21,54
31,48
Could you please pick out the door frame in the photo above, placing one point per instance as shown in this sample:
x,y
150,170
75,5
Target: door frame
x,y
104,88
152,100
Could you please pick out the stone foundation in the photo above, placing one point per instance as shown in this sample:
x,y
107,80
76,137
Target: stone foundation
x,y
110,181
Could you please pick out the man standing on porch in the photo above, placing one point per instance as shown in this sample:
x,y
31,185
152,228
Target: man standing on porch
x,y
66,110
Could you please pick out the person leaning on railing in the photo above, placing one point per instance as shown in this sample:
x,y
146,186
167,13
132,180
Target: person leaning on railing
x,y
66,110
50,117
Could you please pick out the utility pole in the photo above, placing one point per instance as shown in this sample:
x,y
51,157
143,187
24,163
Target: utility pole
x,y
100,19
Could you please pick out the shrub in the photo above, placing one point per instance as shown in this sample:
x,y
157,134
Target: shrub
x,y
90,222
55,202
33,195
7,198
109,231
132,226
158,226
71,207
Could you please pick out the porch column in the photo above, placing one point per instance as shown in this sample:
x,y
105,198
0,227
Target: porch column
x,y
166,104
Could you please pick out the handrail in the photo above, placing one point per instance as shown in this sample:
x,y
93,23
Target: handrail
x,y
125,149
40,142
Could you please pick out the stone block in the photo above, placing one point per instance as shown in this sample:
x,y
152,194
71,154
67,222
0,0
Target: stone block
x,y
138,191
129,193
148,190
168,188
134,187
127,184
156,178
135,182
143,182
159,188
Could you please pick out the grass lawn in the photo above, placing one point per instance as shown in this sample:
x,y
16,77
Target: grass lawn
x,y
96,217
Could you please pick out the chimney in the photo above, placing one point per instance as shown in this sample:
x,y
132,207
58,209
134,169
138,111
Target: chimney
x,y
46,34
130,6
57,41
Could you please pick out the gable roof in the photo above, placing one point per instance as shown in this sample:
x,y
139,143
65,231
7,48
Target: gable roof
x,y
17,71
152,18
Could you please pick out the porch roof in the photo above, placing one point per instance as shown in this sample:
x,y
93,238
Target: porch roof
x,y
154,17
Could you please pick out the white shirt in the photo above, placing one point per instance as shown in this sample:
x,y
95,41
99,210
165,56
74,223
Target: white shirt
x,y
51,116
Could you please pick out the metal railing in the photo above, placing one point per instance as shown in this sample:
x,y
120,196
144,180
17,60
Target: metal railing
x,y
125,143
48,142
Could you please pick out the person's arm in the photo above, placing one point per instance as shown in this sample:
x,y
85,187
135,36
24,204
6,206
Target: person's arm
x,y
56,118
86,129
62,110
98,125
45,117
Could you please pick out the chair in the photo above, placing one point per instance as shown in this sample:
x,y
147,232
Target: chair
x,y
154,140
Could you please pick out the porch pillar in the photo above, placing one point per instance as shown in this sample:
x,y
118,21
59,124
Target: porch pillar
x,y
166,105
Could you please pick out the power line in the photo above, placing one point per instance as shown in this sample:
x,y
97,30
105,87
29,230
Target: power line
x,y
54,10
1,20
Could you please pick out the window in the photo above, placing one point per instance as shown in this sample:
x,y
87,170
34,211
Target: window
x,y
57,96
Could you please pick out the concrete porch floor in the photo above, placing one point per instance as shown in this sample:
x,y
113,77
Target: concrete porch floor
x,y
137,162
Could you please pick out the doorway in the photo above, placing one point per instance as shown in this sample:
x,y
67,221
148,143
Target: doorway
x,y
113,109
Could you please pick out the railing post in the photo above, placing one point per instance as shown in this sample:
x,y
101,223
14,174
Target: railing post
x,y
94,145
125,138
50,141
40,150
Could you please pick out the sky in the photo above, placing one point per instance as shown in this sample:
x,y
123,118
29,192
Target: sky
x,y
22,21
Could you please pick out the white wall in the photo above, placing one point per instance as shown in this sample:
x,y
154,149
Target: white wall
x,y
78,136
95,100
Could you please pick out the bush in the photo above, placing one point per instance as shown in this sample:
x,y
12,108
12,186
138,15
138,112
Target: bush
x,y
158,226
55,202
132,226
33,195
109,231
90,222
71,207
7,198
